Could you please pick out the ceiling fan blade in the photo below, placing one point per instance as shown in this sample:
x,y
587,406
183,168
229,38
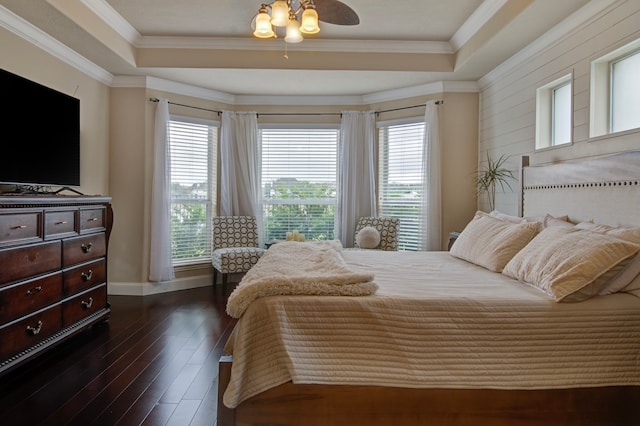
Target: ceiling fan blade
x,y
336,12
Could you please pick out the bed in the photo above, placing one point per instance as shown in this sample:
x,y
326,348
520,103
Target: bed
x,y
445,341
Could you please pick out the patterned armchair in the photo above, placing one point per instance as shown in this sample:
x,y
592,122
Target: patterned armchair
x,y
388,228
235,244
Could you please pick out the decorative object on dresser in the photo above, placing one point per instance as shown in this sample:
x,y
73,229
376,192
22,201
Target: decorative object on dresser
x,y
53,271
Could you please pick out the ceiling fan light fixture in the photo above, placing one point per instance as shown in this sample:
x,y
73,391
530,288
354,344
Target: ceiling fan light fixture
x,y
263,25
310,21
280,13
293,34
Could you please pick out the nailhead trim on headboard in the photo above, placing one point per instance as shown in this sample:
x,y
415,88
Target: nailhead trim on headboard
x,y
585,185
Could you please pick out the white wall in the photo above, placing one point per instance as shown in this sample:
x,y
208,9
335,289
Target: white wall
x,y
508,96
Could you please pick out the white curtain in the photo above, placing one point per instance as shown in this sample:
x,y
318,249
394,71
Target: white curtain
x,y
431,213
356,172
240,167
160,262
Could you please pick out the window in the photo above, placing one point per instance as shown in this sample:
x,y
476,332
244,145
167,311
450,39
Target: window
x,y
615,90
299,174
400,186
625,93
554,112
193,176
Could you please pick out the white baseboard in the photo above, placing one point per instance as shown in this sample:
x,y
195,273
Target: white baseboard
x,y
148,288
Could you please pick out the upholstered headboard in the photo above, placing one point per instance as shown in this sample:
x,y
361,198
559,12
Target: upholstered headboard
x,y
603,189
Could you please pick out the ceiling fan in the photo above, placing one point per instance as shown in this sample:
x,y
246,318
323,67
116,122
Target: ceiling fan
x,y
336,12
295,17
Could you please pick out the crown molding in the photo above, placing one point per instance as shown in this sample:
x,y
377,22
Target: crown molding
x,y
28,32
112,18
35,36
298,100
385,96
311,45
154,83
555,35
422,90
477,20
189,90
461,87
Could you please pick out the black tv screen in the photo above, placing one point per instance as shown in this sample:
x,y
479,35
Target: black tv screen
x,y
40,138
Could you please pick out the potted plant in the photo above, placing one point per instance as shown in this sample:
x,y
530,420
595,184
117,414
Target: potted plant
x,y
494,173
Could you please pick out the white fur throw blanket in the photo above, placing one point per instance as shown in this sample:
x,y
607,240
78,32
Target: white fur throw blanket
x,y
292,268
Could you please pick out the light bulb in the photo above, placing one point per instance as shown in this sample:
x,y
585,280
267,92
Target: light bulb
x,y
279,13
263,25
293,32
310,21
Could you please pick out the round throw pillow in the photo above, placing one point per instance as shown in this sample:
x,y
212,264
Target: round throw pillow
x,y
368,238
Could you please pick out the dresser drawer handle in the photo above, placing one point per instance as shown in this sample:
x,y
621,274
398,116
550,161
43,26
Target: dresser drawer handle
x,y
19,227
86,248
64,222
87,305
87,276
93,219
34,290
34,330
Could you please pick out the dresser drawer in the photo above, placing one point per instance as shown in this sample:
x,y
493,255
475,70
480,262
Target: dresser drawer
x,y
59,224
92,219
20,228
19,335
29,296
29,261
83,305
81,249
84,276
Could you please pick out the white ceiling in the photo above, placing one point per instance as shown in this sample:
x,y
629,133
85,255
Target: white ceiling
x,y
208,44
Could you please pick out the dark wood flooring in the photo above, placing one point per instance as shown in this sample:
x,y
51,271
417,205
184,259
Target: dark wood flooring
x,y
154,363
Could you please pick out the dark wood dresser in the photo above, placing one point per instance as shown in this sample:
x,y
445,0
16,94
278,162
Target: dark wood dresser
x,y
53,271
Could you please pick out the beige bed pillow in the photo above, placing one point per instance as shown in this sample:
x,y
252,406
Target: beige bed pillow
x,y
629,234
633,286
631,269
490,242
570,264
542,221
509,218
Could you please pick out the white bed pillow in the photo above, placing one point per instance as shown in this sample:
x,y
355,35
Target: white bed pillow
x,y
570,264
490,242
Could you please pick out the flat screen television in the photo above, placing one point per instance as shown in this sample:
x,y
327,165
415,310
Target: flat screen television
x,y
40,138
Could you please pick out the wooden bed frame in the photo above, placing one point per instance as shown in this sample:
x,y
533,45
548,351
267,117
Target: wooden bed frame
x,y
610,187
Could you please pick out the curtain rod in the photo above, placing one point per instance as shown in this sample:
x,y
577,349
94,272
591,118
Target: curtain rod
x,y
439,102
187,106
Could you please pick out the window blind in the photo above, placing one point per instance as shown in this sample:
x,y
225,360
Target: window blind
x,y
299,173
400,186
193,190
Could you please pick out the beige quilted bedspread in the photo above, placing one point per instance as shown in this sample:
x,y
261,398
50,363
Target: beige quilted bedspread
x,y
435,322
